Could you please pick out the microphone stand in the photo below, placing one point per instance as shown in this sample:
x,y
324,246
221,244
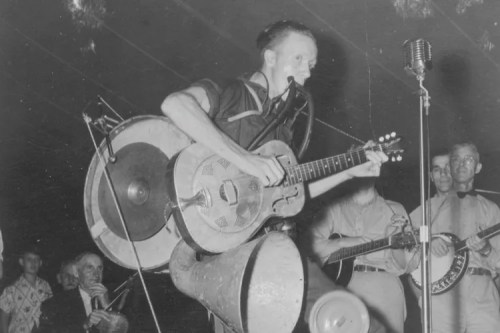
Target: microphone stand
x,y
424,229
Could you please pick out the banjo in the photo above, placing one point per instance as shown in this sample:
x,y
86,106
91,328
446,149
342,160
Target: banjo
x,y
446,271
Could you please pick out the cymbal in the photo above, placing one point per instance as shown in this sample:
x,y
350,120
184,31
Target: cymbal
x,y
143,147
138,177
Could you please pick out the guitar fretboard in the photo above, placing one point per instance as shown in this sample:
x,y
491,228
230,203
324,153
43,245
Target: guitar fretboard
x,y
354,251
327,166
486,233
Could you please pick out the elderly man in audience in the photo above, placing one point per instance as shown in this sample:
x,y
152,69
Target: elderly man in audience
x,y
80,309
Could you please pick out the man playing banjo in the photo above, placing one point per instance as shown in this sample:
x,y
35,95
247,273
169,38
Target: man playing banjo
x,y
472,305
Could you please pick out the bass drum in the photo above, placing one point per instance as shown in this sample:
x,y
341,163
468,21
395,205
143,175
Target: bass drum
x,y
142,148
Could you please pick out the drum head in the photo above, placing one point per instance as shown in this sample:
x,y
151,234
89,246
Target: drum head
x,y
339,312
142,146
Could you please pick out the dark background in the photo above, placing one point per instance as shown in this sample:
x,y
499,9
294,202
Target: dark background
x,y
57,56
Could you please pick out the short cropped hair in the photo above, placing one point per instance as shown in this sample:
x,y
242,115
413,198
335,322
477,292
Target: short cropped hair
x,y
441,152
79,257
30,250
274,33
65,263
466,144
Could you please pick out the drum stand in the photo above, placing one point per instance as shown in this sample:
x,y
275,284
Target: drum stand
x,y
105,125
424,229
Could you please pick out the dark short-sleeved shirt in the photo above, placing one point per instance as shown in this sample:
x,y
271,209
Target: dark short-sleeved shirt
x,y
235,110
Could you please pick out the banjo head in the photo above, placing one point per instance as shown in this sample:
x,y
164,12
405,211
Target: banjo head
x,y
143,146
445,271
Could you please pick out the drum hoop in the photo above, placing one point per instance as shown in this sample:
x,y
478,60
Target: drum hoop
x,y
453,275
109,243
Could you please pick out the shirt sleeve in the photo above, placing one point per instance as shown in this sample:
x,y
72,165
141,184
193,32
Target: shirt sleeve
x,y
7,300
318,243
435,205
492,218
213,91
416,217
399,259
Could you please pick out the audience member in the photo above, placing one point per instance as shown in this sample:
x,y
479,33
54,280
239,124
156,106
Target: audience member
x,y
20,302
79,309
67,276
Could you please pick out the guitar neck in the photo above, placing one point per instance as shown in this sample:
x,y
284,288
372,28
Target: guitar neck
x,y
486,233
357,250
326,166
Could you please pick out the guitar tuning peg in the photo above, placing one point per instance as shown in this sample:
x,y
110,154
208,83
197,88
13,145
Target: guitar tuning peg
x,y
381,139
387,136
399,158
393,159
393,134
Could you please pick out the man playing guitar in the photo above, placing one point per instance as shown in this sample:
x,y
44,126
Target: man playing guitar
x,y
361,217
226,120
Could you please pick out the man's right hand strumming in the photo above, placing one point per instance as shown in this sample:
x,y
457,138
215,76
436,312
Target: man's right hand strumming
x,y
439,247
266,168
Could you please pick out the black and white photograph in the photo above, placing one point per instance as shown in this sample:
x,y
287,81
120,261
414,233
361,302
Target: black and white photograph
x,y
249,166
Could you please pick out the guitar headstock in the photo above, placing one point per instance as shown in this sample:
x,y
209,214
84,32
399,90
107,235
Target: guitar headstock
x,y
390,144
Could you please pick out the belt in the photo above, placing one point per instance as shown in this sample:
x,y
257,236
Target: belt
x,y
478,271
366,268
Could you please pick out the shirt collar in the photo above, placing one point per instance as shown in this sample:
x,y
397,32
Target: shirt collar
x,y
24,280
87,301
257,87
349,201
84,294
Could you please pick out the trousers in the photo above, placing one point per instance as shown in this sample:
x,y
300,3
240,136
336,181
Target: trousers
x,y
472,306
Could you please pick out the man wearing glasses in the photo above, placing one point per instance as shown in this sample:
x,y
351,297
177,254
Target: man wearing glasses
x,y
473,304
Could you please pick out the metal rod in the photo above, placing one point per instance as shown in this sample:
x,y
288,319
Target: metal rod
x,y
124,283
87,120
424,229
115,299
99,98
486,191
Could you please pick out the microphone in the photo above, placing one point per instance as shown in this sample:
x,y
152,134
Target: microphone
x,y
94,305
417,54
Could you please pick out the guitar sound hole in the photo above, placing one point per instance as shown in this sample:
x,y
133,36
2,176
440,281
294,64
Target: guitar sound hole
x,y
222,192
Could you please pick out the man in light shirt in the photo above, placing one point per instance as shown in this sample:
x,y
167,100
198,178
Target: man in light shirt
x,y
361,217
20,302
472,304
440,173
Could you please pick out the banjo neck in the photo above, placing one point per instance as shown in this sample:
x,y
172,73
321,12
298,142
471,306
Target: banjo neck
x,y
484,234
